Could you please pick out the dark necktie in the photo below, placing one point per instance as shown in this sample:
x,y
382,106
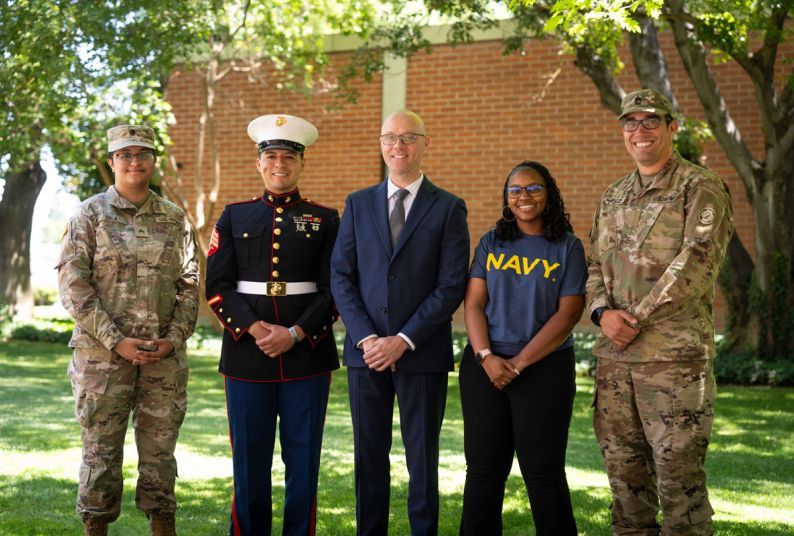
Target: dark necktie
x,y
397,216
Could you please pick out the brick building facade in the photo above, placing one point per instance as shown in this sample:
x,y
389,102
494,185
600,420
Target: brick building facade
x,y
484,113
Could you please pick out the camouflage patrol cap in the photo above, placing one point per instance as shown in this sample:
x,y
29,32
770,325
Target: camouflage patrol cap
x,y
646,100
122,136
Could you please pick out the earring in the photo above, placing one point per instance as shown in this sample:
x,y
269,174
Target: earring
x,y
505,218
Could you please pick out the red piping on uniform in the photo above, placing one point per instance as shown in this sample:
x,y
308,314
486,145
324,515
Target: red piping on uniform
x,y
277,381
235,523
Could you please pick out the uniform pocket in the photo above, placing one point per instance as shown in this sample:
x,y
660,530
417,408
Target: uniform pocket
x,y
88,387
249,245
112,240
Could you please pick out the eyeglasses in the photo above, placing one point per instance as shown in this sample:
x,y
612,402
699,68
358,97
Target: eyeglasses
x,y
407,139
533,190
650,123
145,156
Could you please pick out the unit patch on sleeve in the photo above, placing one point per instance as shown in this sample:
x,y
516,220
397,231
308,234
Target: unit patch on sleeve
x,y
707,216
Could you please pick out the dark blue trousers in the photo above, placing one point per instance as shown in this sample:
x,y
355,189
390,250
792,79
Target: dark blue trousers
x,y
253,408
421,397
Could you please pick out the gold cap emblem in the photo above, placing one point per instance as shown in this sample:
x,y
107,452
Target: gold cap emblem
x,y
280,121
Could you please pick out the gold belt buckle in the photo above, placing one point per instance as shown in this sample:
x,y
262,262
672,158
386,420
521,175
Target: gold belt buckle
x,y
275,288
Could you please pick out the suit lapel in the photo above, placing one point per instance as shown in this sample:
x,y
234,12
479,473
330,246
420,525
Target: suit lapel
x,y
379,206
425,198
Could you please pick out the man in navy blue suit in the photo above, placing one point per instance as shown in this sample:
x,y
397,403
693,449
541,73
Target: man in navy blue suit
x,y
398,273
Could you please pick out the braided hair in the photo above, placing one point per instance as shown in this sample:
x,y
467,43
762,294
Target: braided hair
x,y
556,220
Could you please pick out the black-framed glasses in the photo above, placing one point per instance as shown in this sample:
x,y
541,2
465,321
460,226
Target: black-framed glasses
x,y
407,139
533,190
649,123
144,156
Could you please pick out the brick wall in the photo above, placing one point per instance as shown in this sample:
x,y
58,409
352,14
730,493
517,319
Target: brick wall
x,y
484,112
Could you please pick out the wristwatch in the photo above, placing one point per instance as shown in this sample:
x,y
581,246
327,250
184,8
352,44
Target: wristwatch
x,y
294,333
480,356
596,316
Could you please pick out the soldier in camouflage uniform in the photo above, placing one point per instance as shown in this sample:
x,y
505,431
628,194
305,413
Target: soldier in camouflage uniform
x,y
657,243
128,274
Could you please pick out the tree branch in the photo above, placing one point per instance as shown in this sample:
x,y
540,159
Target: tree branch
x,y
693,55
609,90
649,61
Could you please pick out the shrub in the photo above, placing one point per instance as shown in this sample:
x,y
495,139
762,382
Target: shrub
x,y
745,368
30,332
583,342
45,296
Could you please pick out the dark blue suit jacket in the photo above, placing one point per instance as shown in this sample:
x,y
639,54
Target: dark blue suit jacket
x,y
413,288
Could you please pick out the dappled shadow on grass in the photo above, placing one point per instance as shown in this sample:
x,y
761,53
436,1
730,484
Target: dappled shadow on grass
x,y
752,528
33,505
749,463
752,443
206,428
36,404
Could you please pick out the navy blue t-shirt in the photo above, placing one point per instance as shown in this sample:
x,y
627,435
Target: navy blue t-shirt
x,y
526,278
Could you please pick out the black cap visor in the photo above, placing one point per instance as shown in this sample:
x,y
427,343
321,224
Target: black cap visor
x,y
288,145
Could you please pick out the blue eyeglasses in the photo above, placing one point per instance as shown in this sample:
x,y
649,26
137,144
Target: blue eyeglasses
x,y
533,190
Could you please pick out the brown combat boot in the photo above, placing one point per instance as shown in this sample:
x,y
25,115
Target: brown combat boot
x,y
94,527
163,524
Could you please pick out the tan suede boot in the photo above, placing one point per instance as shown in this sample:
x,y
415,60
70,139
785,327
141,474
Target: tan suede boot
x,y
163,524
94,527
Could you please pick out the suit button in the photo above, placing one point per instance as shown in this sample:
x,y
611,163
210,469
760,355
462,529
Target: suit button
x,y
391,277
275,260
275,273
228,320
279,220
276,232
382,309
279,210
245,235
276,245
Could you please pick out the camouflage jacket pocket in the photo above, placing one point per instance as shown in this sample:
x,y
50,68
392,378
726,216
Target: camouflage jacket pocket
x,y
113,237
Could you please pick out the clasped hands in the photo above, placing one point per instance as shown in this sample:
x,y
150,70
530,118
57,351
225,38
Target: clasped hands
x,y
130,349
272,339
381,353
619,327
500,371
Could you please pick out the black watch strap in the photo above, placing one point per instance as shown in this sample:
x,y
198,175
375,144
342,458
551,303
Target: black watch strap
x,y
596,316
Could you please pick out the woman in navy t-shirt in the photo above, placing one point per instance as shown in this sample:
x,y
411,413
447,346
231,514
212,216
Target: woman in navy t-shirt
x,y
525,294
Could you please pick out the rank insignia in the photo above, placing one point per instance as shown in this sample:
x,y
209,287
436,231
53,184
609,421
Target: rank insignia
x,y
215,242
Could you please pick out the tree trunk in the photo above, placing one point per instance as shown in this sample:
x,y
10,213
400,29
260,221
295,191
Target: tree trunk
x,y
734,281
22,188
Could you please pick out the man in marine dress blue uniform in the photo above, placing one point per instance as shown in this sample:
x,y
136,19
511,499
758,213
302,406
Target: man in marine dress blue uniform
x,y
399,272
268,282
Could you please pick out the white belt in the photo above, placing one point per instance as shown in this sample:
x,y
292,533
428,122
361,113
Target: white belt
x,y
275,288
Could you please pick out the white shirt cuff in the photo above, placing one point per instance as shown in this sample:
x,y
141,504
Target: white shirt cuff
x,y
410,343
368,337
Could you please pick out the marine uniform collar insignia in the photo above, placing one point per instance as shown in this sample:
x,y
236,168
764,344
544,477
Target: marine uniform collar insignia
x,y
281,200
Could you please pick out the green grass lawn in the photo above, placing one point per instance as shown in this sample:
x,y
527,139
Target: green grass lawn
x,y
750,463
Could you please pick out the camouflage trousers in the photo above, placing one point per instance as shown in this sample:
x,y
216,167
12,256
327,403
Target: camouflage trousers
x,y
107,389
653,423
